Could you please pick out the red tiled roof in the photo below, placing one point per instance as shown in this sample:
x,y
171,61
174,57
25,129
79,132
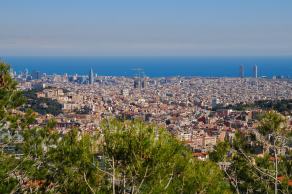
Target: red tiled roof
x,y
34,183
281,178
200,154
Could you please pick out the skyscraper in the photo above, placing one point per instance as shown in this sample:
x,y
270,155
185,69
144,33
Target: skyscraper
x,y
241,71
255,71
36,75
215,102
144,83
137,83
91,76
25,73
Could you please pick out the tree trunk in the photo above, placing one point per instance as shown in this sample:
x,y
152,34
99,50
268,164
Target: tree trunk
x,y
124,182
276,167
114,189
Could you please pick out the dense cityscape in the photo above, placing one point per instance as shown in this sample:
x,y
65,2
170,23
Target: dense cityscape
x,y
146,97
200,112
205,114
193,109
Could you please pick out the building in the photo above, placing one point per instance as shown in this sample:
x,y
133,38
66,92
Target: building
x,y
36,75
209,141
137,83
144,83
91,77
215,102
255,71
241,71
125,92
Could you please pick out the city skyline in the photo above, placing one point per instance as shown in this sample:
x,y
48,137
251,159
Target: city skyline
x,y
130,28
156,66
149,96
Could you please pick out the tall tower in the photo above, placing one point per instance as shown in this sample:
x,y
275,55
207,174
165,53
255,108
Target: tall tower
x,y
91,76
255,71
25,72
144,83
241,71
255,74
137,80
137,83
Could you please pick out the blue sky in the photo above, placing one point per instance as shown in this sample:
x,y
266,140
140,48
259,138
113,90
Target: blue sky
x,y
147,28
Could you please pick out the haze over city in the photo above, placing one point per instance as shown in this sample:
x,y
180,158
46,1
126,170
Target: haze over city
x,y
146,28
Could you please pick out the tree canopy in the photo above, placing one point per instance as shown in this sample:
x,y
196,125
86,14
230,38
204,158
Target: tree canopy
x,y
258,161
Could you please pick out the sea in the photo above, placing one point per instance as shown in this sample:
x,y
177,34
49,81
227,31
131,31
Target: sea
x,y
154,66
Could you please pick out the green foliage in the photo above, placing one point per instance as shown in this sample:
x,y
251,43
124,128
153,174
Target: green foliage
x,y
282,106
251,180
7,164
85,110
41,105
10,98
11,122
253,173
149,160
129,156
220,152
271,123
66,163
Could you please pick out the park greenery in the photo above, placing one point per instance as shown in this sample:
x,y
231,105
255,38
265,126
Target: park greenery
x,y
83,111
282,106
120,157
41,105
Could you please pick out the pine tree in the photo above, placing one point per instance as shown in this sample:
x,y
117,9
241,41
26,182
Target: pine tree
x,y
249,173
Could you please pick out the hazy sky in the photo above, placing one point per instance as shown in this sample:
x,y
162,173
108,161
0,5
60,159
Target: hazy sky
x,y
146,27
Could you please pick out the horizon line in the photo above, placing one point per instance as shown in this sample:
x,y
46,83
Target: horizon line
x,y
203,56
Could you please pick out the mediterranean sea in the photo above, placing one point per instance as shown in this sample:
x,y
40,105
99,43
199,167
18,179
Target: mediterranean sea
x,y
155,66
